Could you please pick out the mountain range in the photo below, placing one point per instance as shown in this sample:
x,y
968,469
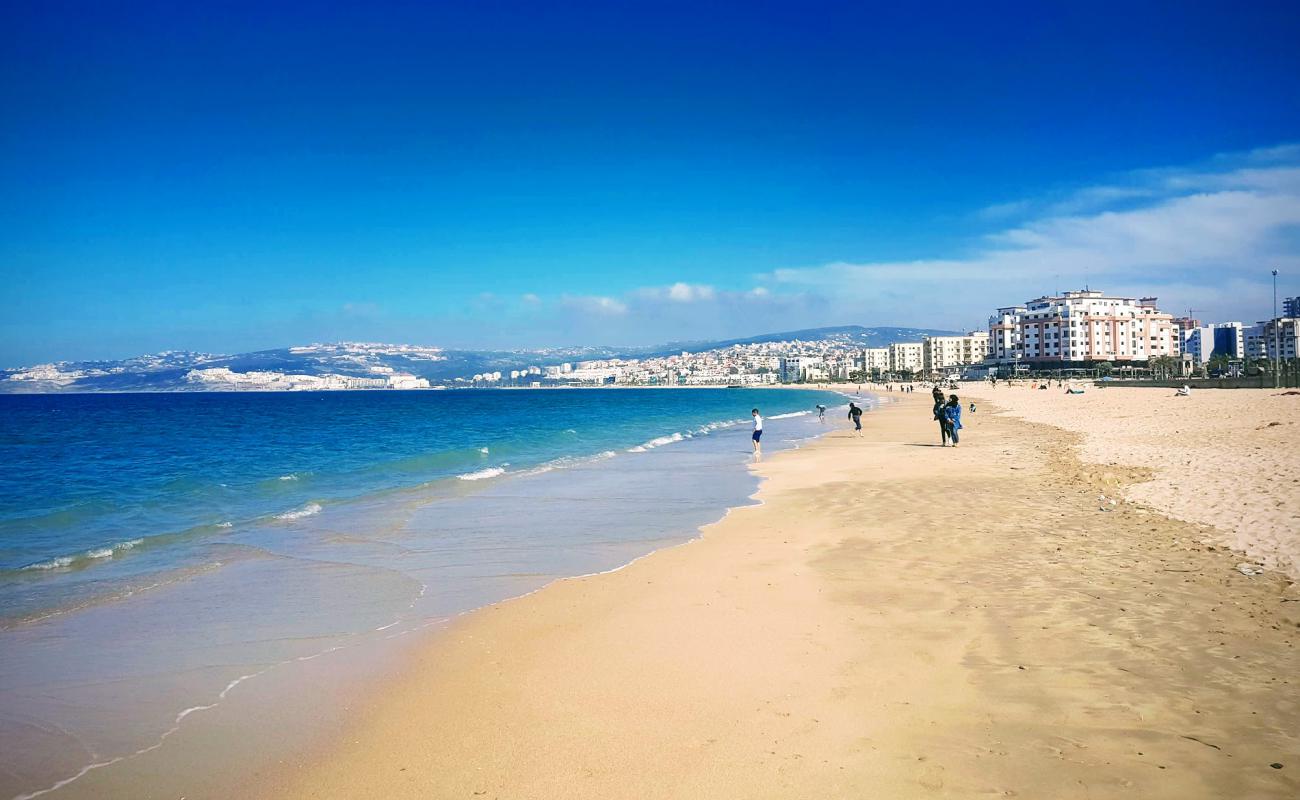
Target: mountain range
x,y
170,371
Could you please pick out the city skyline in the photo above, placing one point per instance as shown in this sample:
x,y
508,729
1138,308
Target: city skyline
x,y
505,177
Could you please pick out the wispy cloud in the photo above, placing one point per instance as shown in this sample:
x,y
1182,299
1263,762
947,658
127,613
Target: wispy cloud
x,y
594,304
1205,234
1199,236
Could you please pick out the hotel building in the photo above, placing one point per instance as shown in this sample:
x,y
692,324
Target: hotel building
x,y
1079,328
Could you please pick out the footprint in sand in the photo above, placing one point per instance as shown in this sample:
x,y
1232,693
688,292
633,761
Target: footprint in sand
x,y
931,777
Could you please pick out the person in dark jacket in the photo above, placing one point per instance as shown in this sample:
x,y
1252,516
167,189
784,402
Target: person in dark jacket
x,y
855,414
940,416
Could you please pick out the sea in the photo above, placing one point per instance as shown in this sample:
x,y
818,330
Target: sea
x,y
160,552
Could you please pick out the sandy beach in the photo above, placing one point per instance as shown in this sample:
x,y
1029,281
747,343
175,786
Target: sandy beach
x,y
1229,459
894,620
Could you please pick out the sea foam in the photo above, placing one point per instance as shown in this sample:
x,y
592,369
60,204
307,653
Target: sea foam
x,y
298,513
93,554
490,472
659,441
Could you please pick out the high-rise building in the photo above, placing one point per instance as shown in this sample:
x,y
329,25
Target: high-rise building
x,y
1281,338
1291,307
1078,328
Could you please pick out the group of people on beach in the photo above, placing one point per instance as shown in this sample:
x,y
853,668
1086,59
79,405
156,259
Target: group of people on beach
x,y
855,416
948,414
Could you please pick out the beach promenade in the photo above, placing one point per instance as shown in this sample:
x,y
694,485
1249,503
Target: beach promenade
x,y
895,620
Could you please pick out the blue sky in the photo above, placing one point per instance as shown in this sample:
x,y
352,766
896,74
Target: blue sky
x,y
227,177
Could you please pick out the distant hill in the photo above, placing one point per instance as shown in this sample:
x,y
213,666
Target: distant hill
x,y
171,371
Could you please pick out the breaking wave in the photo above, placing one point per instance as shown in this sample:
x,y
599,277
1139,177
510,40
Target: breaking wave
x,y
78,559
482,474
298,513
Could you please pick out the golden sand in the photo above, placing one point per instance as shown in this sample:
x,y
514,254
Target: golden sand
x,y
896,620
1229,459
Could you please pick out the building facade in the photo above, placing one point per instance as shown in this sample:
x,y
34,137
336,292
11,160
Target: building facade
x,y
940,353
1281,338
875,360
906,357
1081,328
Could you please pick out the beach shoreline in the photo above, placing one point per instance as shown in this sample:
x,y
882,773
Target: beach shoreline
x,y
861,630
265,711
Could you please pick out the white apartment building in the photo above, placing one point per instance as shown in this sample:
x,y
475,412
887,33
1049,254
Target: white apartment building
x,y
875,359
1287,331
1256,346
939,353
1198,344
1081,327
906,357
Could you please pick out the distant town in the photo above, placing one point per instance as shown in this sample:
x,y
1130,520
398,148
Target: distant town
x,y
1079,331
1082,333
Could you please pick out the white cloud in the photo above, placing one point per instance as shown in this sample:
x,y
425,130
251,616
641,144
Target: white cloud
x,y
1203,236
594,304
1193,236
688,293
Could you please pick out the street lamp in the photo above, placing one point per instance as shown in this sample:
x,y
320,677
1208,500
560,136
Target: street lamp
x,y
1277,348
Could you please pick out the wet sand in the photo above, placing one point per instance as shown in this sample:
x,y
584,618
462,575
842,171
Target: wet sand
x,y
895,620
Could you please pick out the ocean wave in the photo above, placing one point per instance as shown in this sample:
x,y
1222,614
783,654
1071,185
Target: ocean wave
x,y
298,513
289,477
490,472
791,414
483,450
659,441
705,430
94,554
569,461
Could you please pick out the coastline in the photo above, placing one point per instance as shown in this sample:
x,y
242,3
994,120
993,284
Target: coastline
x,y
888,619
294,700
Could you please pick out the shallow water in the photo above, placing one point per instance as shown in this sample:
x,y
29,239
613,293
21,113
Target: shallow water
x,y
265,529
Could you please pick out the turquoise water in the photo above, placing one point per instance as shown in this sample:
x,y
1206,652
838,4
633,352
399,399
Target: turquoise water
x,y
158,551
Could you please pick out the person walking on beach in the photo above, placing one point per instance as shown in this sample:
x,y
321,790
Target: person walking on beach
x,y
952,412
855,414
940,416
757,436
